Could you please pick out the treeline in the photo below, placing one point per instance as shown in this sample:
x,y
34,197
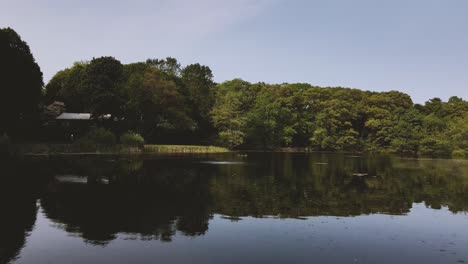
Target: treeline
x,y
300,115
168,103
159,99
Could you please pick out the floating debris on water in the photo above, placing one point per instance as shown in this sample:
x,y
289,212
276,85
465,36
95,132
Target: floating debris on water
x,y
360,174
71,179
103,181
223,162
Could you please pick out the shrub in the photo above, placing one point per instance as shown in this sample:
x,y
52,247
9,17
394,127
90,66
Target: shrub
x,y
459,153
132,138
435,147
98,136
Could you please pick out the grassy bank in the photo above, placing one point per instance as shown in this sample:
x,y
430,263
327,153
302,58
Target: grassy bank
x,y
58,149
182,149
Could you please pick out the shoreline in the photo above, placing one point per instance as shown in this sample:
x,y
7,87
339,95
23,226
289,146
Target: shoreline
x,y
41,149
44,149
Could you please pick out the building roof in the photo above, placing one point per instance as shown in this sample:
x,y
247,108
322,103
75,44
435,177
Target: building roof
x,y
74,116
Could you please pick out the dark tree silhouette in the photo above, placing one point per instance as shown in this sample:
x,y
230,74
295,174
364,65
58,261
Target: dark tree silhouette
x,y
103,79
20,82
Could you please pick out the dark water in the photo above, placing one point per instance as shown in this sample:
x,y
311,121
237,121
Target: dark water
x,y
264,208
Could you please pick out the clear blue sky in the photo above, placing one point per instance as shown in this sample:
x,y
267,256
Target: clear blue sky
x,y
416,46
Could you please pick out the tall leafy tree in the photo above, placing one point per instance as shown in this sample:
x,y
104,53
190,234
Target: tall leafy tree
x,y
103,85
272,121
21,82
234,100
169,66
68,86
199,86
154,102
407,132
382,113
95,86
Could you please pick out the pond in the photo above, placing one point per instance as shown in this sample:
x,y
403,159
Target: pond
x,y
231,208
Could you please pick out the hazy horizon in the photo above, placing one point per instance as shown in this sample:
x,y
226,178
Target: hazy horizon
x,y
417,47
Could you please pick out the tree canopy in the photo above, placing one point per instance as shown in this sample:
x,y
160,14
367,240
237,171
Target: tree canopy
x,y
21,83
337,119
167,102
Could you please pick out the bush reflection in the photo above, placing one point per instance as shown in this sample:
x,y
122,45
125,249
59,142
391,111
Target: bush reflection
x,y
99,199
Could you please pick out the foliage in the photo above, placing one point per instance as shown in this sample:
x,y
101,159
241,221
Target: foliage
x,y
102,85
168,103
407,133
21,83
132,138
169,66
68,86
459,153
199,86
155,103
337,119
234,99
98,136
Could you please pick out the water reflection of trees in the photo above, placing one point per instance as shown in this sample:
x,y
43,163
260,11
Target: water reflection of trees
x,y
298,185
16,223
154,199
18,195
152,202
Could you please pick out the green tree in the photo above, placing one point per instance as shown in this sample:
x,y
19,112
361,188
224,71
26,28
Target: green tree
x,y
162,100
103,85
271,122
458,132
382,113
169,66
407,133
155,103
199,84
234,99
95,87
68,86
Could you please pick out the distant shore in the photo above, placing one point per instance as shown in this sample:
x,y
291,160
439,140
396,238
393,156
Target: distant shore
x,y
74,149
53,149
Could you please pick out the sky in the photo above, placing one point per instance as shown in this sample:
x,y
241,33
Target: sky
x,y
419,47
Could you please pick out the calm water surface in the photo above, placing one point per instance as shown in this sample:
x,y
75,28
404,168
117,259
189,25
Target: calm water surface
x,y
263,208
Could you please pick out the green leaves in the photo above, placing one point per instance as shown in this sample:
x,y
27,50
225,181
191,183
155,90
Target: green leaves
x,y
272,116
234,100
155,102
199,86
160,99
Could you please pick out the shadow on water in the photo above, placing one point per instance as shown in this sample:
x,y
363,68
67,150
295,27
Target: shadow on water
x,y
146,200
154,198
19,191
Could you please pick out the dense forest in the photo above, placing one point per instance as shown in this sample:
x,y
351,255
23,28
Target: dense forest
x,y
166,102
